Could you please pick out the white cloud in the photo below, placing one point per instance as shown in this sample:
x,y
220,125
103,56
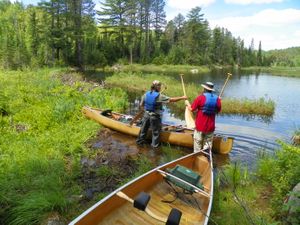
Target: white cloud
x,y
265,18
247,2
275,28
188,4
297,33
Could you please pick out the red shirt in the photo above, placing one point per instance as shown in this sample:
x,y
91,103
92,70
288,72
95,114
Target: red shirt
x,y
204,123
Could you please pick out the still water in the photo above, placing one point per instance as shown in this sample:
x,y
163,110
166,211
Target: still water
x,y
252,134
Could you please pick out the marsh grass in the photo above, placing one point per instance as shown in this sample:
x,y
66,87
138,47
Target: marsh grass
x,y
40,162
141,82
237,198
276,70
151,68
257,197
281,171
170,153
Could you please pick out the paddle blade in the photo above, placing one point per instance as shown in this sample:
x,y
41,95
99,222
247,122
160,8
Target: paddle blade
x,y
189,118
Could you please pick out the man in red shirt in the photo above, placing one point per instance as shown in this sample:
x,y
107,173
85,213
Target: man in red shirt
x,y
207,106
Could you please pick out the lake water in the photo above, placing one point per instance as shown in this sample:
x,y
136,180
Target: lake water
x,y
252,134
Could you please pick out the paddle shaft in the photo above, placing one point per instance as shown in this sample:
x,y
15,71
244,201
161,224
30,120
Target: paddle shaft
x,y
223,88
183,87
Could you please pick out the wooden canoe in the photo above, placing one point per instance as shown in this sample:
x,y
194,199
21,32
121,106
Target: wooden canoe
x,y
195,208
182,136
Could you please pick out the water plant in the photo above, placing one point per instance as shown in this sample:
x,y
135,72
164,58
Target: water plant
x,y
140,82
151,68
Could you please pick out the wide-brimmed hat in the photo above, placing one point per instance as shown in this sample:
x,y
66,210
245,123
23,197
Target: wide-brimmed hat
x,y
208,86
156,82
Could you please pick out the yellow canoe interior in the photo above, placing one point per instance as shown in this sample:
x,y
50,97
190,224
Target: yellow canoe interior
x,y
116,210
183,138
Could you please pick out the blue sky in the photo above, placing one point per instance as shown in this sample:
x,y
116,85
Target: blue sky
x,y
276,23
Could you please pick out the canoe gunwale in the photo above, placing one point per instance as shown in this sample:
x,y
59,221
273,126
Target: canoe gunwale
x,y
89,210
222,145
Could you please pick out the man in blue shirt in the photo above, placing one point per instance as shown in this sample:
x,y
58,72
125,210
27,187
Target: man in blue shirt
x,y
152,102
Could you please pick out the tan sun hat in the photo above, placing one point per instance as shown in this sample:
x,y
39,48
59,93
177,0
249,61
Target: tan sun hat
x,y
208,86
156,82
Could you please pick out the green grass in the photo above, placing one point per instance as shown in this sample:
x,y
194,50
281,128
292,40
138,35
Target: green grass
x,y
141,82
282,172
151,68
237,198
276,70
257,197
42,139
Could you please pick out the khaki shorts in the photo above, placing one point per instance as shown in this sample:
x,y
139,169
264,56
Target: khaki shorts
x,y
202,140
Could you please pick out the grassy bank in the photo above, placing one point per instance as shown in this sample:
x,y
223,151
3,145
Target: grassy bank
x,y
278,71
141,82
258,197
186,69
151,68
42,140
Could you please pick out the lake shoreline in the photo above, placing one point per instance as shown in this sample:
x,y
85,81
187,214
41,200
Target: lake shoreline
x,y
191,69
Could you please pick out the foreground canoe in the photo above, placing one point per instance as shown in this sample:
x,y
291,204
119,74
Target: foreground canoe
x,y
170,134
116,208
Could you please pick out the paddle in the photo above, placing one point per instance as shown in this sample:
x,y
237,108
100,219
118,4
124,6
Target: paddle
x,y
141,111
222,90
188,115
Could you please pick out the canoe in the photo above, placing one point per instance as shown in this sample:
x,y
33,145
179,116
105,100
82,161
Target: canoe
x,y
120,208
181,136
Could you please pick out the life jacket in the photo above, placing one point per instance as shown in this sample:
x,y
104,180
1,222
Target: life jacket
x,y
150,101
210,106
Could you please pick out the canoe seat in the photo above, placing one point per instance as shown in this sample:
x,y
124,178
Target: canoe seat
x,y
107,113
141,201
174,217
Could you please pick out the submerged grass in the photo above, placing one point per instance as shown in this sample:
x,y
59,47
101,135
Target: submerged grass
x,y
42,139
141,82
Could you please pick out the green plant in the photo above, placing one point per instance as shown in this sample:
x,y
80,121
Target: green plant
x,y
39,164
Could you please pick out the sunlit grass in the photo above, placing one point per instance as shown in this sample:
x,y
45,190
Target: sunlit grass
x,y
151,68
142,82
42,139
276,70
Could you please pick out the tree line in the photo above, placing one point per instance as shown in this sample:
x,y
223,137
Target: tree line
x,y
72,32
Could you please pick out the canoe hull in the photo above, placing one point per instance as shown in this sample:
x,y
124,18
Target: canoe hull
x,y
113,208
185,138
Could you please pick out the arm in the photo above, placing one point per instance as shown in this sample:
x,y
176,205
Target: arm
x,y
195,105
142,103
188,105
176,99
219,105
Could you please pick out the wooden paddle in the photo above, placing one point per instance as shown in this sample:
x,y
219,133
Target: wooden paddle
x,y
222,90
188,115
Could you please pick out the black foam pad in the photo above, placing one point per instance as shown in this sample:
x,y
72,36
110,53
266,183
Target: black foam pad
x,y
141,201
174,217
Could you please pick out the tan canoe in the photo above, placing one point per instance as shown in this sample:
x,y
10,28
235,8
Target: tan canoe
x,y
182,137
195,208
